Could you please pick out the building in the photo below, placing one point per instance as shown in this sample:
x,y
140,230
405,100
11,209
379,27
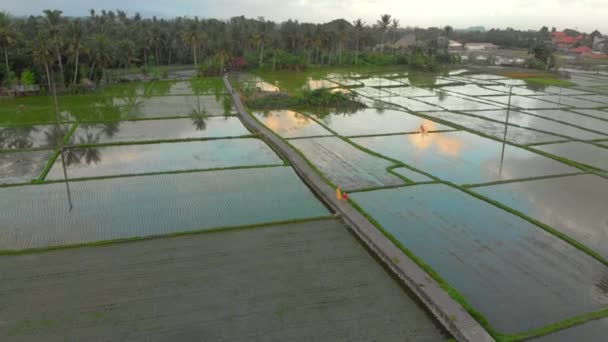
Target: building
x,y
455,46
563,41
405,42
581,50
600,44
480,47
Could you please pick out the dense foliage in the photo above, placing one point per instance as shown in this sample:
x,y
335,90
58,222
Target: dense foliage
x,y
73,51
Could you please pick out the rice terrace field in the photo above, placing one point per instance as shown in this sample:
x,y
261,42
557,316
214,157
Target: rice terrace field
x,y
496,188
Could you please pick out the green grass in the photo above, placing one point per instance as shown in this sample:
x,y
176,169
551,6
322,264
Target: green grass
x,y
47,167
150,237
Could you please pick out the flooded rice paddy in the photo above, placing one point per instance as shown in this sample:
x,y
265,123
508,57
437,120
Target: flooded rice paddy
x,y
118,208
463,157
525,254
154,130
88,162
517,275
574,205
346,165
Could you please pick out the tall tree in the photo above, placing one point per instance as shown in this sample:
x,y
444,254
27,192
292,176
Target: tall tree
x,y
394,27
192,36
43,54
53,26
7,37
76,35
383,24
358,27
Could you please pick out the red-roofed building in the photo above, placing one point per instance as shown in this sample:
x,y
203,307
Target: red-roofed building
x,y
582,50
564,41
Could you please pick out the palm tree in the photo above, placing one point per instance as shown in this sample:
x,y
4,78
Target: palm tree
x,y
383,23
7,36
43,54
192,36
76,34
53,26
101,53
394,27
448,31
358,26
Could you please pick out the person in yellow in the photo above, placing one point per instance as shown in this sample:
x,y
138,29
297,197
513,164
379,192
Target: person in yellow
x,y
338,193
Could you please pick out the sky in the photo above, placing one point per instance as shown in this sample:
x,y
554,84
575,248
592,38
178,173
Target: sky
x,y
584,15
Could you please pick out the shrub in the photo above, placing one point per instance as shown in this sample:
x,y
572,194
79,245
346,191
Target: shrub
x,y
28,77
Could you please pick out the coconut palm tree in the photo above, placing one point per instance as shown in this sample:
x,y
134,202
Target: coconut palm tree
x,y
394,27
76,35
43,54
7,36
101,53
383,24
192,36
53,26
358,27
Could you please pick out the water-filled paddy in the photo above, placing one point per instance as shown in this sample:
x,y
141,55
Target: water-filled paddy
x,y
345,165
600,114
569,101
373,93
514,90
414,105
450,102
290,124
539,123
473,90
603,99
149,130
31,136
411,91
133,159
579,152
412,175
463,157
516,274
573,119
515,134
200,86
181,105
574,205
39,216
523,102
22,167
370,121
590,331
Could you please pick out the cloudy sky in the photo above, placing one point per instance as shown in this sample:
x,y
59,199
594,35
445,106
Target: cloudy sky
x,y
585,15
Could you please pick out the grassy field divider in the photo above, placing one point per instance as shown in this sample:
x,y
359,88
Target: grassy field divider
x,y
160,236
70,133
47,167
519,180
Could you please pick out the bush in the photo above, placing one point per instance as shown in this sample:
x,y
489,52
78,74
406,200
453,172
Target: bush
x,y
534,63
28,78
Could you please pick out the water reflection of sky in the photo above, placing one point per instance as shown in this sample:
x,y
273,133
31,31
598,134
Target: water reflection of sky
x,y
463,157
574,205
541,124
513,272
368,121
134,159
290,124
187,128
